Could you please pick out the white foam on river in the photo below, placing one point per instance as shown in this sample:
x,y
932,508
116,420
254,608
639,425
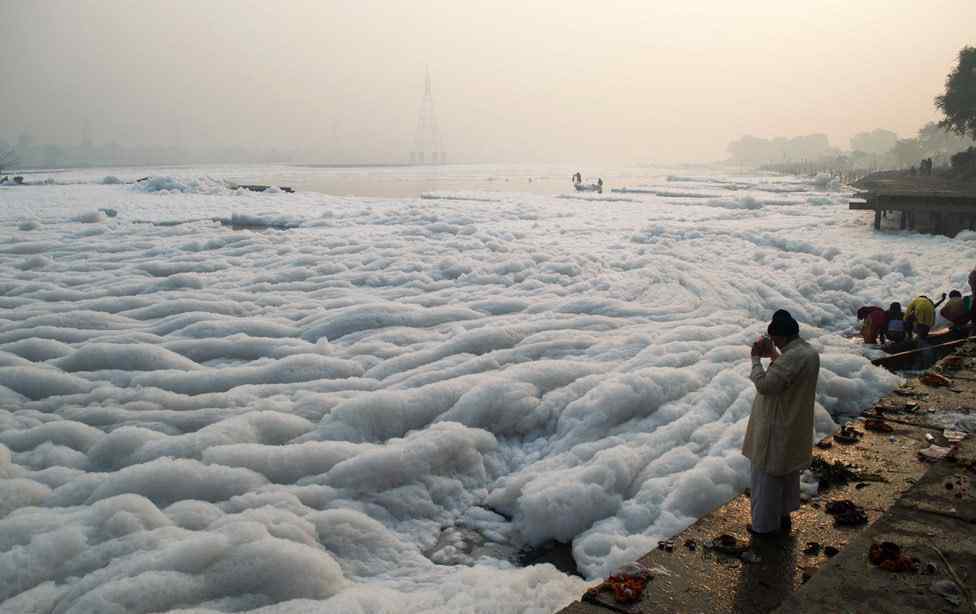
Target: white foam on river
x,y
373,410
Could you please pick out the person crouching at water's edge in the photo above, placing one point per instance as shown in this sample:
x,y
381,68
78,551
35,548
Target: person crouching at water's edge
x,y
779,436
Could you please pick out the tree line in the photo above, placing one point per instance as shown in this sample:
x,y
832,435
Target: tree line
x,y
949,142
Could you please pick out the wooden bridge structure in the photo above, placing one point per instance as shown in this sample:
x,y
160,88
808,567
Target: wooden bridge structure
x,y
924,203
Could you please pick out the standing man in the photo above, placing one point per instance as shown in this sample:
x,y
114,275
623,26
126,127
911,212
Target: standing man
x,y
779,437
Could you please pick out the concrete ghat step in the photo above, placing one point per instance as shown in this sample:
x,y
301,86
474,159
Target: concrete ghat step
x,y
929,519
702,581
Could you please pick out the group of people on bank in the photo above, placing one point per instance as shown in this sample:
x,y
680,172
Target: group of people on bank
x,y
894,327
779,436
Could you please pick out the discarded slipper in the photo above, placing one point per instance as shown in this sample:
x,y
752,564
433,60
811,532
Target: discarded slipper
x,y
726,544
846,513
848,434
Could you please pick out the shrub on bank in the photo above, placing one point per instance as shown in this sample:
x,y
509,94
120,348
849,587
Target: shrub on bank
x,y
964,163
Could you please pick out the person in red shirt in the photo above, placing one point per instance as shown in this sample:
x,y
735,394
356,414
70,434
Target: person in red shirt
x,y
875,323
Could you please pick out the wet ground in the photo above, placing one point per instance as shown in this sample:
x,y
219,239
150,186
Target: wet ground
x,y
821,567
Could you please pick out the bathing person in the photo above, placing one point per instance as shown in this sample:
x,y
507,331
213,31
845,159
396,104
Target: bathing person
x,y
895,329
875,322
956,310
779,436
920,316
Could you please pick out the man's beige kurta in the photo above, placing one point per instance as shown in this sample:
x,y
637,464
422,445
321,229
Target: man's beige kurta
x,y
779,438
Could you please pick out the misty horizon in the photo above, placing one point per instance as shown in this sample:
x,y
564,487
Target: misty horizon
x,y
433,307
547,82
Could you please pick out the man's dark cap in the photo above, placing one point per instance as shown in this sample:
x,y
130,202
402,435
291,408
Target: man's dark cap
x,y
783,325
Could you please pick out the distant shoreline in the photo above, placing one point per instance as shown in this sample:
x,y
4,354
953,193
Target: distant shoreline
x,y
370,165
62,169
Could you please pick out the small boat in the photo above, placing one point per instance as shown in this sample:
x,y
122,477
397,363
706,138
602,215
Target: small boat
x,y
919,357
936,337
589,187
912,355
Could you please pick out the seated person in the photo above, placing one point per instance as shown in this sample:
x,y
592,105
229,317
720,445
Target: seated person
x,y
956,310
875,322
895,328
920,316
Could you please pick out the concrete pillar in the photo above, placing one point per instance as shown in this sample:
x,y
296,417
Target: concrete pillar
x,y
877,219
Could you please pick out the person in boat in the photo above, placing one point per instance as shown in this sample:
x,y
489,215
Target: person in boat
x,y
895,326
875,322
779,436
577,178
920,316
957,311
599,184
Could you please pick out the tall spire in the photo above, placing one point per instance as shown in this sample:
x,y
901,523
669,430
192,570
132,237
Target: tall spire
x,y
427,145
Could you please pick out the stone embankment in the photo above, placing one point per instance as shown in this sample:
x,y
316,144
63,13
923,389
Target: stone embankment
x,y
925,507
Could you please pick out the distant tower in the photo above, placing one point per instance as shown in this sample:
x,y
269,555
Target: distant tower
x,y
427,145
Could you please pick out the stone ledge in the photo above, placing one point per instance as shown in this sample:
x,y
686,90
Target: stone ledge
x,y
700,580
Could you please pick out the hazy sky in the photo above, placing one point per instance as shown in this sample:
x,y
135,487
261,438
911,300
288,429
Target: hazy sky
x,y
519,80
